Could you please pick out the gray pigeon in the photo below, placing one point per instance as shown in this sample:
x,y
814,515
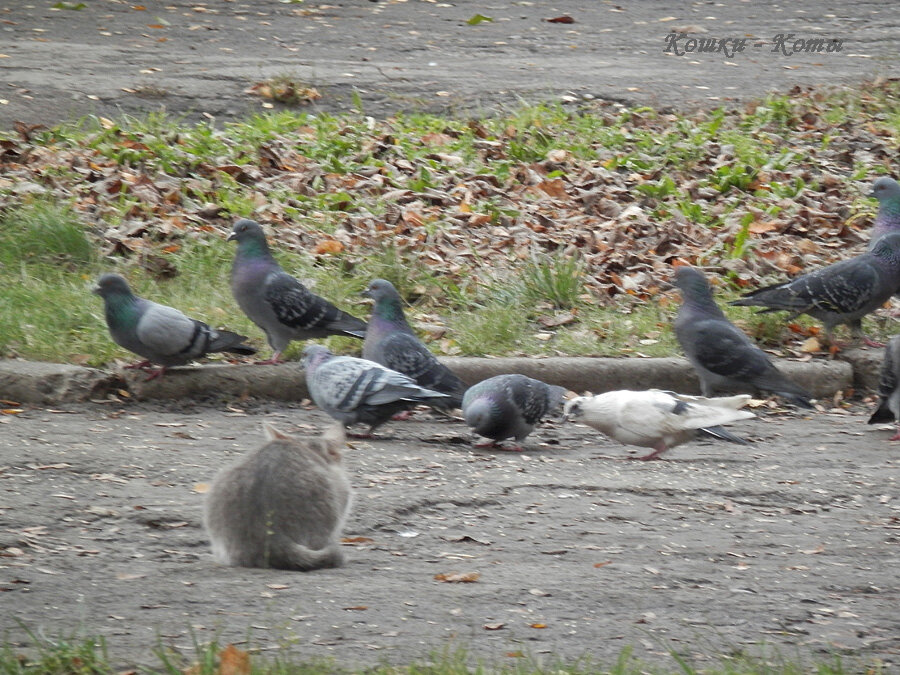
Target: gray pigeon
x,y
840,293
391,342
889,388
509,406
887,191
724,358
355,390
275,301
161,334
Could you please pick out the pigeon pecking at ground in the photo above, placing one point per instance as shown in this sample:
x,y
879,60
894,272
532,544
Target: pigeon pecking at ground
x,y
658,419
840,293
722,355
887,191
275,301
509,406
391,342
889,388
354,390
159,333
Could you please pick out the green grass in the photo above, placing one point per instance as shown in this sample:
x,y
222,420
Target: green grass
x,y
87,655
478,222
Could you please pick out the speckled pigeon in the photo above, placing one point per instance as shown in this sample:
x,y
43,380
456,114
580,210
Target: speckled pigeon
x,y
391,342
275,301
724,358
889,388
354,390
840,293
159,333
887,191
509,406
658,419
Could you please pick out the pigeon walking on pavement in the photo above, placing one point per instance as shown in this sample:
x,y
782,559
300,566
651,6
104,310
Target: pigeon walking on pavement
x,y
843,292
887,191
723,357
354,390
162,335
275,301
509,406
889,388
658,419
391,342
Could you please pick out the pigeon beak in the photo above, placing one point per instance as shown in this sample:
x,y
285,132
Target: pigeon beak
x,y
366,293
231,236
871,194
95,290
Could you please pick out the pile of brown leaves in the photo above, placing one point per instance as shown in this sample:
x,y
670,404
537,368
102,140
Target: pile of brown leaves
x,y
469,218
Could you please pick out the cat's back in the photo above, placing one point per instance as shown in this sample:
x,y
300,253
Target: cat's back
x,y
287,492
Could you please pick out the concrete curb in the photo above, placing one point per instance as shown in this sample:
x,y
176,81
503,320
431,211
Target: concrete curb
x,y
50,383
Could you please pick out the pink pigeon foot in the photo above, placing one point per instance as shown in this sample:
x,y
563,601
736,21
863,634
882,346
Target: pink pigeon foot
x,y
156,374
498,446
871,343
402,416
895,437
139,364
660,449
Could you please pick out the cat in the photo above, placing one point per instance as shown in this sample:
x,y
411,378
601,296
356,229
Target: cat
x,y
282,505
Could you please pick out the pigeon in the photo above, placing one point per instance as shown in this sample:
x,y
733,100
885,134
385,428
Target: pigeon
x,y
658,419
887,191
275,301
722,356
159,333
840,293
889,388
354,390
507,406
391,342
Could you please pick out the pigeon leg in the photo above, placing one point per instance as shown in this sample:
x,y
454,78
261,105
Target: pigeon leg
x,y
273,360
402,416
486,444
139,364
156,374
870,342
896,437
659,449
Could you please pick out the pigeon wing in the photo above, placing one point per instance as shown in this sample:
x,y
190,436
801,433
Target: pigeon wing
x,y
167,331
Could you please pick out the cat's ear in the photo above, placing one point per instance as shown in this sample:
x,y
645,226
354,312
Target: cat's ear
x,y
335,438
272,434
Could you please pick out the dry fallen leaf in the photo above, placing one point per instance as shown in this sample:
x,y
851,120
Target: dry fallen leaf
x,y
458,577
233,661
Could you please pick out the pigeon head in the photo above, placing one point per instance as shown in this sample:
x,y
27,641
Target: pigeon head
x,y
110,285
314,354
573,409
388,304
691,281
246,230
885,188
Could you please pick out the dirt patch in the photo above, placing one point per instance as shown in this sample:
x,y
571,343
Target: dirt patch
x,y
790,541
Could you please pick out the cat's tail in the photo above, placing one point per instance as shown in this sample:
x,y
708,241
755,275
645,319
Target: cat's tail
x,y
294,556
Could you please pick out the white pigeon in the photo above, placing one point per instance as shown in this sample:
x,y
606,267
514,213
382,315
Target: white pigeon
x,y
658,419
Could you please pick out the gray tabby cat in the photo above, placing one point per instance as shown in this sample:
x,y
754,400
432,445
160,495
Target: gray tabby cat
x,y
282,505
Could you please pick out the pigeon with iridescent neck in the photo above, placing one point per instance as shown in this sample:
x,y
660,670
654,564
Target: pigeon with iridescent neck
x,y
509,406
354,390
722,356
391,342
887,191
275,301
159,333
844,292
